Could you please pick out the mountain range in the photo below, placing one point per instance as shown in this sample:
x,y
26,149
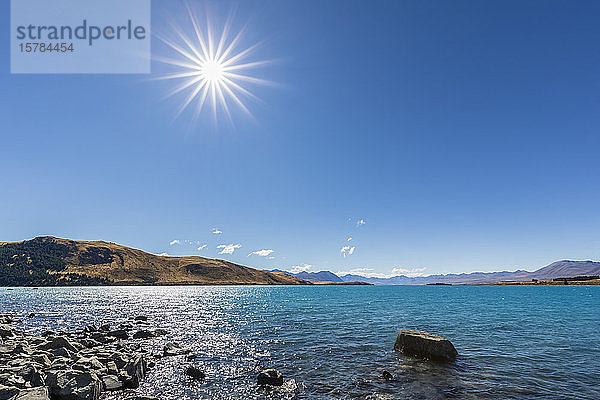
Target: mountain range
x,y
50,261
559,269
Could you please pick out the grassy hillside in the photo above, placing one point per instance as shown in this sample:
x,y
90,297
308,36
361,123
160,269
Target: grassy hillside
x,y
49,261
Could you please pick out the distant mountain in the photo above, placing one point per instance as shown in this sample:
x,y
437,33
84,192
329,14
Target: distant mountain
x,y
49,261
321,276
565,268
559,269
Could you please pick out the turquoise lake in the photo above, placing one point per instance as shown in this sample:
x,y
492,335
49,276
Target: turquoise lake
x,y
335,341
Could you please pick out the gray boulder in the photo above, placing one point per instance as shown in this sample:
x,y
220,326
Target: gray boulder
x,y
174,349
270,377
425,345
6,331
38,393
112,382
58,342
136,370
75,385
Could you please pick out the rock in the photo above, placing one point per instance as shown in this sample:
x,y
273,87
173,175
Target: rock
x,y
31,375
174,349
160,332
270,377
8,319
136,370
57,343
119,334
90,329
112,382
191,357
38,393
195,373
31,315
425,345
6,331
75,385
112,368
7,392
143,334
61,352
89,343
289,388
141,318
142,398
105,327
100,337
385,375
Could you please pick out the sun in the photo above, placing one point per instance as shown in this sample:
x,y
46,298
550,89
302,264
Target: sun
x,y
211,73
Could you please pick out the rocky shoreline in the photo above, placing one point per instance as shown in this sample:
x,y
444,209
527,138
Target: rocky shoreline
x,y
83,363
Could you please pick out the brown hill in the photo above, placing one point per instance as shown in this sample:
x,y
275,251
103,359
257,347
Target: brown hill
x,y
49,261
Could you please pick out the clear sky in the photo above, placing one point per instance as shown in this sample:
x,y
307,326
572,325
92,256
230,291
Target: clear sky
x,y
465,135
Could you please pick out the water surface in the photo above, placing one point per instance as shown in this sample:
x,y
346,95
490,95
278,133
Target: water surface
x,y
514,342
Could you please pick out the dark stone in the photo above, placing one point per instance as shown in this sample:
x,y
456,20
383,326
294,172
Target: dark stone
x,y
143,334
160,332
7,392
195,373
119,334
32,315
141,318
425,345
105,327
6,331
191,357
58,342
386,375
136,370
270,377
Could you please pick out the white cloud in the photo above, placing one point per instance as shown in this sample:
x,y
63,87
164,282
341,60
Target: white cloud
x,y
228,248
217,231
271,258
361,222
349,239
368,272
201,247
296,269
262,253
174,242
164,254
347,250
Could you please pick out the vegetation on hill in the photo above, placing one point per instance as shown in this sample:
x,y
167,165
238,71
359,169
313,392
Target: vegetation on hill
x,y
49,261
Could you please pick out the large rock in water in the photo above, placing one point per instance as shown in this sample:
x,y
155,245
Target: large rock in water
x,y
425,345
270,377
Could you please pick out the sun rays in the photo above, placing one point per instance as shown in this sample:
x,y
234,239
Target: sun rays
x,y
211,71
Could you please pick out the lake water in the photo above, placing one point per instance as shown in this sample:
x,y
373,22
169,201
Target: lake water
x,y
514,342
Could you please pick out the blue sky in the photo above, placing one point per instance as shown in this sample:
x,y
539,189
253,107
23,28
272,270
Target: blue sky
x,y
465,134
